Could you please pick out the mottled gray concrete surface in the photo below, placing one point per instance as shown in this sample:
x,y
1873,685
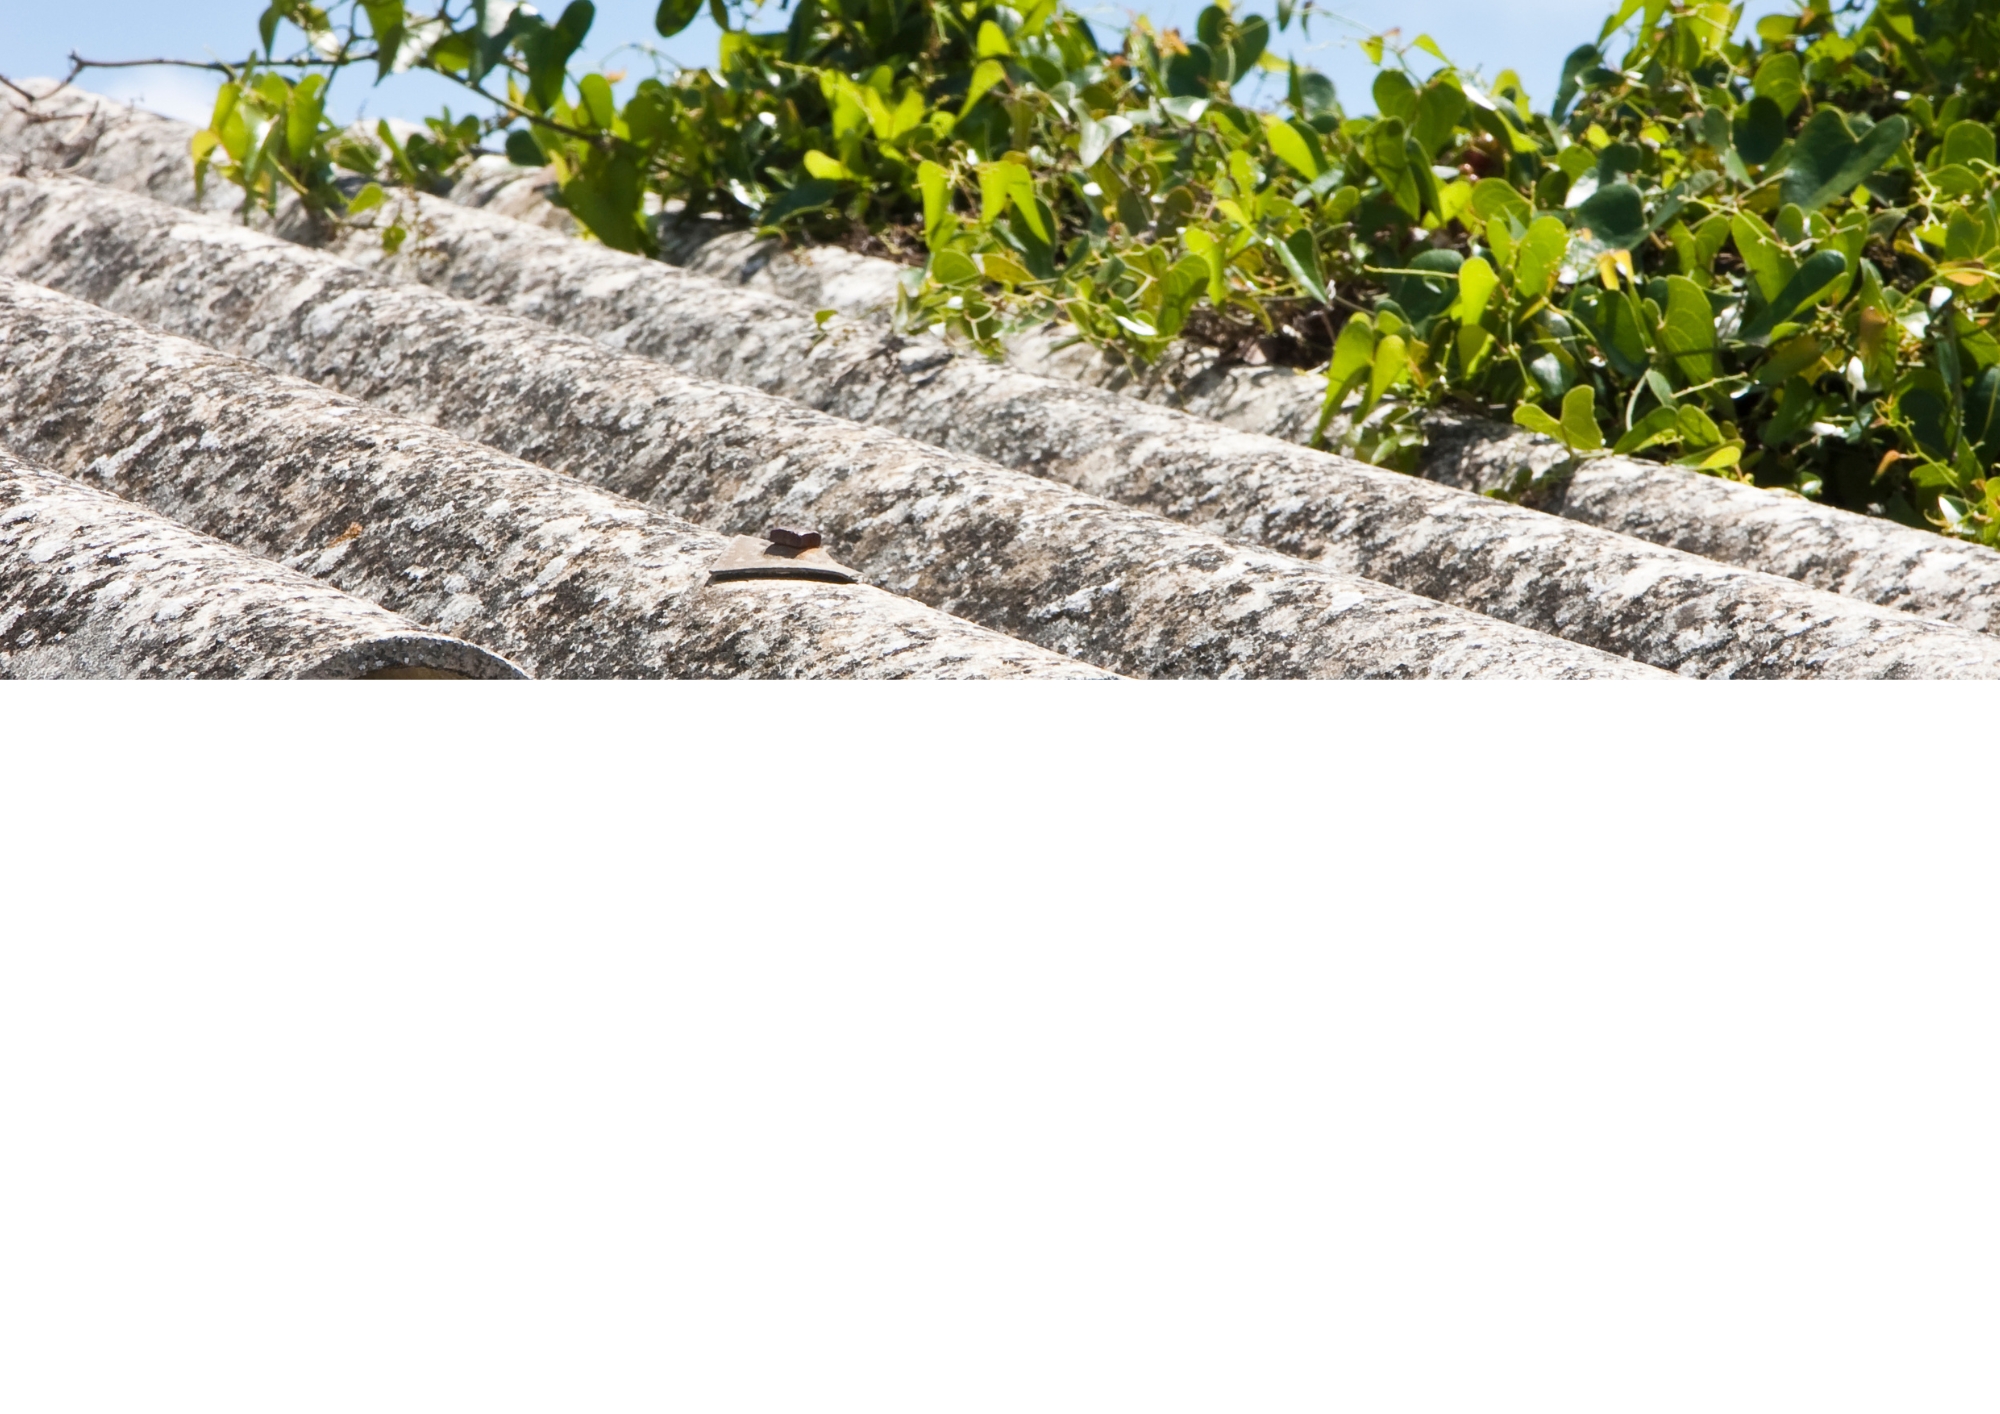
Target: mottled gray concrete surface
x,y
1863,557
567,580
1130,591
92,586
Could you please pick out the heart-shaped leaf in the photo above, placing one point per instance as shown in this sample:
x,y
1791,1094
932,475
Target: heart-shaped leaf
x,y
1615,216
1758,130
1828,162
1688,331
674,16
1579,420
1535,420
1802,290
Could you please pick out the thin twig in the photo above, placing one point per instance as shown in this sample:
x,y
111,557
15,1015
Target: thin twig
x,y
78,64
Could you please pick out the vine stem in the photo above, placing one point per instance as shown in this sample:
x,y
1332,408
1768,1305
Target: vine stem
x,y
78,64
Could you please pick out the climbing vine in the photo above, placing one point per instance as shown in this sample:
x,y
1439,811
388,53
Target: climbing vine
x,y
1766,251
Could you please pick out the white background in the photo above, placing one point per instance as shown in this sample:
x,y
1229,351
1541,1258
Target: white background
x,y
935,1048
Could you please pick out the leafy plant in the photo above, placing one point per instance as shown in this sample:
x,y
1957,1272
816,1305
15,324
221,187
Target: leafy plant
x,y
1775,258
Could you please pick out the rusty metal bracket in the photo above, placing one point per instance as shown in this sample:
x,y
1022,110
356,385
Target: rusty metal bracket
x,y
746,557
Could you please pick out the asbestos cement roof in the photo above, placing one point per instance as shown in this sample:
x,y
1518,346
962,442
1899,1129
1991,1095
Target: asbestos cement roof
x,y
522,453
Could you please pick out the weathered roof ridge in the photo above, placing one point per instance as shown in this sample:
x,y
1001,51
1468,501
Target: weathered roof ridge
x,y
92,586
566,579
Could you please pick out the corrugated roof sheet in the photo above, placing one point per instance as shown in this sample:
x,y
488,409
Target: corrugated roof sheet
x,y
1087,577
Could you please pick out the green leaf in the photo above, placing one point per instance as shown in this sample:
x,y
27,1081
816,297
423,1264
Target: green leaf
x,y
1439,108
1353,354
984,76
1579,419
1022,197
673,16
596,93
547,48
815,195
1253,36
1291,148
1179,290
367,199
1758,130
522,150
1615,216
1300,257
826,168
1687,331
385,23
302,116
1822,270
1982,416
952,267
1615,322
1395,96
1827,161
1769,263
1540,256
1778,79
1391,358
1491,197
997,266
1535,420
455,53
1789,360
1388,152
992,40
1200,243
1968,142
935,184
1656,428
1097,136
1714,461
605,196
996,185
1476,283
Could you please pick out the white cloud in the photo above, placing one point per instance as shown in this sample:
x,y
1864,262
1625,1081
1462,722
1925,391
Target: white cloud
x,y
187,94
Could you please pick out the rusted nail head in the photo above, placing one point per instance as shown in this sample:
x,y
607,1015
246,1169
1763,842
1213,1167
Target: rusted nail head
x,y
793,537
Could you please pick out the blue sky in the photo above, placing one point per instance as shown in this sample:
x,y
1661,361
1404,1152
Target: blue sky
x,y
1529,35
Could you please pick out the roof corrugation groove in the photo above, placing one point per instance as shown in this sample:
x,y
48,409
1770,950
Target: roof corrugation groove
x,y
565,579
1123,588
94,587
